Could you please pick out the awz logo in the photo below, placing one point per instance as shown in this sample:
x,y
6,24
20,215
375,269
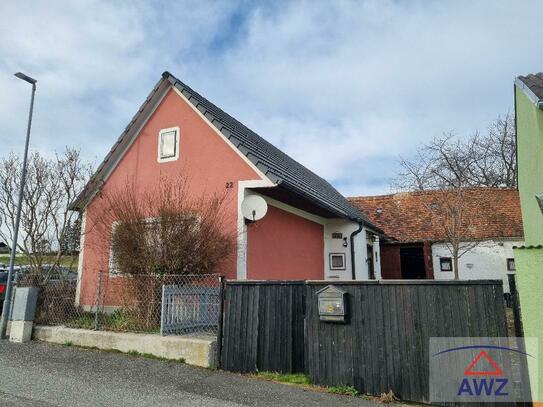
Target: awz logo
x,y
480,370
479,387
485,385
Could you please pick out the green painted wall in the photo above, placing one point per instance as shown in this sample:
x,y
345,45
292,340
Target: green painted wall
x,y
529,261
530,165
529,264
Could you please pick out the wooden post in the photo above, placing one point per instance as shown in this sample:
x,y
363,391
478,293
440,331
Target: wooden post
x,y
219,327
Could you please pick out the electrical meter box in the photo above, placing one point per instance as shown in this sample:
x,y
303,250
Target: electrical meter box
x,y
24,305
332,304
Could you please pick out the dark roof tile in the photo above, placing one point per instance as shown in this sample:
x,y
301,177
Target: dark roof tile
x,y
272,161
278,166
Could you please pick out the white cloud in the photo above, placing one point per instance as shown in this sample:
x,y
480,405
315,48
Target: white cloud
x,y
344,87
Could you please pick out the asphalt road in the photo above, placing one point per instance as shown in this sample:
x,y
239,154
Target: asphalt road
x,y
39,374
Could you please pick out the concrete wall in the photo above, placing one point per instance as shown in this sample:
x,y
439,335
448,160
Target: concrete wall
x,y
195,351
486,261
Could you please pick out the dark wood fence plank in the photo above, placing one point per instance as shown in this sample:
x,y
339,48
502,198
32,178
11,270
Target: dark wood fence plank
x,y
275,326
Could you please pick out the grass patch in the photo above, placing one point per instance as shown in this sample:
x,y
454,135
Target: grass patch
x,y
345,390
121,320
291,378
133,353
84,321
302,380
22,260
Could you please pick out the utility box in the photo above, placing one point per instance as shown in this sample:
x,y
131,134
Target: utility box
x,y
24,304
332,304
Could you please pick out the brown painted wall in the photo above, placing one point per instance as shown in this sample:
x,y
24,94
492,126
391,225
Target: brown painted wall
x,y
390,261
428,265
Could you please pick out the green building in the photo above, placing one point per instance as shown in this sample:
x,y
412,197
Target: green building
x,y
529,258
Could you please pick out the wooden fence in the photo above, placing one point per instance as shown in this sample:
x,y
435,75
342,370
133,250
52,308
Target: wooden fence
x,y
384,346
263,327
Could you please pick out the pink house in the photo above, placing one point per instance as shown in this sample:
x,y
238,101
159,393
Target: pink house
x,y
310,230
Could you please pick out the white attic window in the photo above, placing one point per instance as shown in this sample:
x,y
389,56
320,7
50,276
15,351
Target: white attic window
x,y
168,144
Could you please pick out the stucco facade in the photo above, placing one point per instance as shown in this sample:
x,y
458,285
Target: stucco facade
x,y
529,258
290,242
486,261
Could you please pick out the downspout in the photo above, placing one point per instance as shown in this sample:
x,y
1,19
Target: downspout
x,y
356,232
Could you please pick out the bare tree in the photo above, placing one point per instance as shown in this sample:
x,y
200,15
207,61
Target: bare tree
x,y
447,161
452,213
448,167
51,185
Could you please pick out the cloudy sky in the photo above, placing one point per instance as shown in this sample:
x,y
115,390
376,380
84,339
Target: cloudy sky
x,y
343,87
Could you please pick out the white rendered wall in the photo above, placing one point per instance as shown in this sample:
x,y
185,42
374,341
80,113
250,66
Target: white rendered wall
x,y
488,260
336,246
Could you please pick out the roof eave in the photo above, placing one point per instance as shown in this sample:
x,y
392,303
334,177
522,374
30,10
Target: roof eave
x,y
529,93
331,209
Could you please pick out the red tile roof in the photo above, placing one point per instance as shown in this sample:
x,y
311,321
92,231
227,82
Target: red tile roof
x,y
405,216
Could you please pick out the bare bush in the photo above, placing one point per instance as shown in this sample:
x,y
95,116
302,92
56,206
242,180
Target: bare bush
x,y
166,230
162,232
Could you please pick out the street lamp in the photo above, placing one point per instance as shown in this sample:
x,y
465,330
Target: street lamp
x,y
7,300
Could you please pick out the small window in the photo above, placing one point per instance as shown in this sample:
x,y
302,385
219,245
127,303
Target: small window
x,y
337,261
168,144
511,265
445,264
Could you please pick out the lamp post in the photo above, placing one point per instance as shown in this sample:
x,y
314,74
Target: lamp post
x,y
7,301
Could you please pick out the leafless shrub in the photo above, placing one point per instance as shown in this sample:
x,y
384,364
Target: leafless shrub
x,y
389,397
163,231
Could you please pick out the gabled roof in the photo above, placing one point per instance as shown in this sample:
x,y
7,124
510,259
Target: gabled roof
x,y
276,165
405,217
533,86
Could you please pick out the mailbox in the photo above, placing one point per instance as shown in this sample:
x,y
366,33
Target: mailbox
x,y
332,304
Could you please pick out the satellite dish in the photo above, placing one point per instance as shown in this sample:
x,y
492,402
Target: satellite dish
x,y
254,207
